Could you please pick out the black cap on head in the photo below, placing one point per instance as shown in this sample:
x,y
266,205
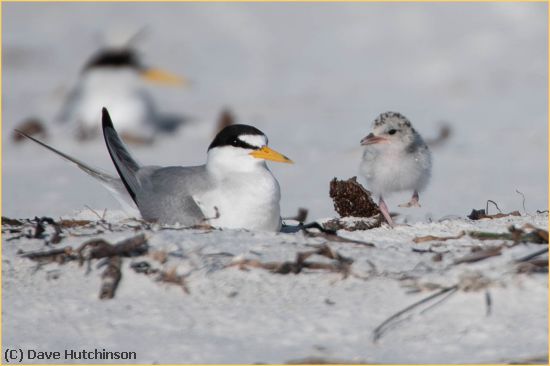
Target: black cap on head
x,y
229,136
123,57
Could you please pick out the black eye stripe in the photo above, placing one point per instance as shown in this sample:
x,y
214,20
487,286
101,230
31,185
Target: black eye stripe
x,y
244,145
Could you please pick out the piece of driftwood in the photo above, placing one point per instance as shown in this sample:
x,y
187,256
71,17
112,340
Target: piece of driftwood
x,y
479,255
58,255
99,248
352,199
110,278
422,239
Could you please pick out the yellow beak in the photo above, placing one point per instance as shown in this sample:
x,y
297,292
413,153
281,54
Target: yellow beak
x,y
163,77
269,154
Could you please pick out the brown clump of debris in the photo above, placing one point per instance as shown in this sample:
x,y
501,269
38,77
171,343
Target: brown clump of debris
x,y
32,127
352,199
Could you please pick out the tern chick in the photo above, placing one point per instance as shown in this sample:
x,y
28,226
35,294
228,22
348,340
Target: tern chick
x,y
234,189
395,159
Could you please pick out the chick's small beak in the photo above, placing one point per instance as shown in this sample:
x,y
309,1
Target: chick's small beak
x,y
160,76
269,154
371,139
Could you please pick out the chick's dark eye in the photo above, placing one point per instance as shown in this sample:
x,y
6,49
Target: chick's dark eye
x,y
392,131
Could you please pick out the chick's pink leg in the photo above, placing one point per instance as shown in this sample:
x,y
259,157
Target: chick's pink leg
x,y
384,209
413,202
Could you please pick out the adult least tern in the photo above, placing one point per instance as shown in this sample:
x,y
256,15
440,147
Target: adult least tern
x,y
113,77
234,189
395,158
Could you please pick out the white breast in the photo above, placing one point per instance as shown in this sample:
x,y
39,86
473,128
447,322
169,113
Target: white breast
x,y
244,200
388,171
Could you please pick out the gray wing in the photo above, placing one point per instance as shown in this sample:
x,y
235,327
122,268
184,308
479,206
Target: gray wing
x,y
113,184
167,195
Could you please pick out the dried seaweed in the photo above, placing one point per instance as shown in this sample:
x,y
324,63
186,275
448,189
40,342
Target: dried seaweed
x,y
58,255
352,199
479,255
481,214
340,263
99,248
422,239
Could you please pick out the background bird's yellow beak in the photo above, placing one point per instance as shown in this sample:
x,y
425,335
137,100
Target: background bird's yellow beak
x,y
269,154
160,76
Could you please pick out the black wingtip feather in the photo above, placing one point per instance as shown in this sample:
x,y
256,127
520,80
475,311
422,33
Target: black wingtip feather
x,y
106,118
107,124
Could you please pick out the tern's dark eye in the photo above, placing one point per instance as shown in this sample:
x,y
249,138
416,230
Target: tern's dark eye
x,y
392,131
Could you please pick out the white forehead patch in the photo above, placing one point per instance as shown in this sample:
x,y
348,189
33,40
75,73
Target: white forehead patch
x,y
254,140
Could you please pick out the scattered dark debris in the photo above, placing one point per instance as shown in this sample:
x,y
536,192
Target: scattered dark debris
x,y
488,303
422,239
527,234
354,224
532,264
443,135
481,214
11,222
523,200
542,211
301,216
329,302
143,267
58,255
395,319
352,199
330,235
340,263
479,255
171,276
226,119
494,203
110,278
99,248
32,127
95,249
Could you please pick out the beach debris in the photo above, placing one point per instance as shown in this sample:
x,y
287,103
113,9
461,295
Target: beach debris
x,y
443,135
301,216
32,127
110,278
340,264
482,214
226,118
352,199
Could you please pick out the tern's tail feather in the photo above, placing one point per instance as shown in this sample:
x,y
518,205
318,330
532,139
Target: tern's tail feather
x,y
125,165
113,184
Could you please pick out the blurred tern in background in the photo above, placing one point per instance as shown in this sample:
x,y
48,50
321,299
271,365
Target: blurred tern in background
x,y
113,77
395,159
